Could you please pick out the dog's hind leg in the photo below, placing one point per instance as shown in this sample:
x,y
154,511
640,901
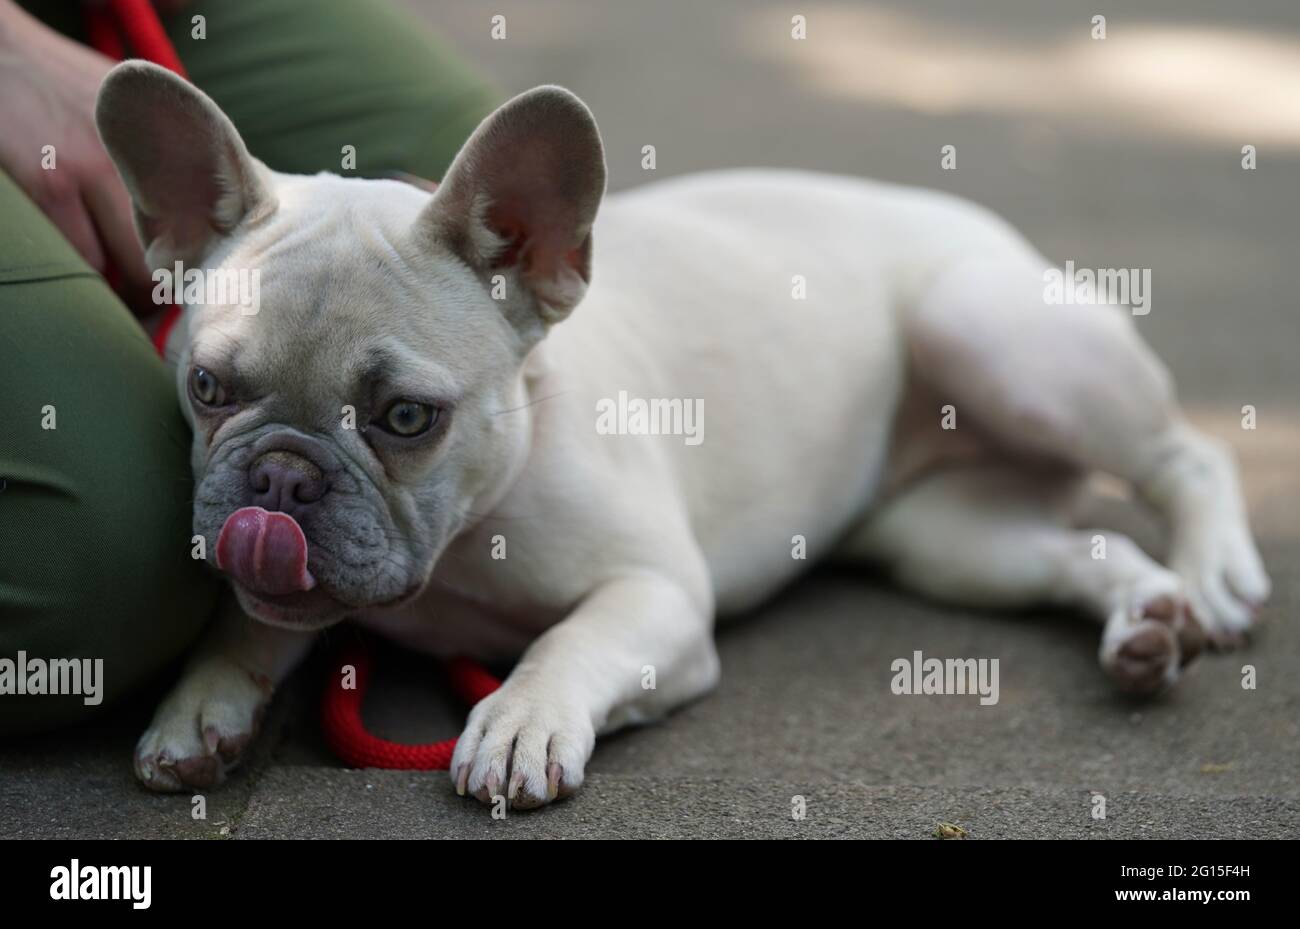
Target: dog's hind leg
x,y
1075,383
999,536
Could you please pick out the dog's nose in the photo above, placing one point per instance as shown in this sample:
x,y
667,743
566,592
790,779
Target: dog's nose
x,y
284,482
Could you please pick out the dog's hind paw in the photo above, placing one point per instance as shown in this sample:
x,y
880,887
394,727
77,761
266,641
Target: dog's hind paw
x,y
1145,647
1225,582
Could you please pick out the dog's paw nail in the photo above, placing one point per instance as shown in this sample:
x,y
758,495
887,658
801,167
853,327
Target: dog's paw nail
x,y
553,775
211,739
493,785
462,779
516,781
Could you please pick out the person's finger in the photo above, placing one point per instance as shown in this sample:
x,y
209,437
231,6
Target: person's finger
x,y
69,214
110,207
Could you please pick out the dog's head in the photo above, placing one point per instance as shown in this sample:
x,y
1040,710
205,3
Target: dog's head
x,y
353,349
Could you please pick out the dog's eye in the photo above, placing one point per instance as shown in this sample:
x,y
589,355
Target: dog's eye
x,y
205,388
408,418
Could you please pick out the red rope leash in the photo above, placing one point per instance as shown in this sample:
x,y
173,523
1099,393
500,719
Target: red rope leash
x,y
340,713
134,23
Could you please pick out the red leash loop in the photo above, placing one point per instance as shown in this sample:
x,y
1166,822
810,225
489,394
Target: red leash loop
x,y
346,735
134,23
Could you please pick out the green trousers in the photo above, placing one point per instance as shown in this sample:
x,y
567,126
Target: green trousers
x,y
95,486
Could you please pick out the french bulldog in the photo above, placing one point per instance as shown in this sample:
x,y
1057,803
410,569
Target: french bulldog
x,y
406,434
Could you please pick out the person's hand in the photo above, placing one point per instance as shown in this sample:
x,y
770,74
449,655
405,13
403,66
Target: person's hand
x,y
50,83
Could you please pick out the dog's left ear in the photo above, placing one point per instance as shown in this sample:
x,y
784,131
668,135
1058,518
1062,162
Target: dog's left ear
x,y
523,194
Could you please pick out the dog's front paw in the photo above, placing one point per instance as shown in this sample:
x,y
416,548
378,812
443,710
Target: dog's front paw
x,y
202,729
526,743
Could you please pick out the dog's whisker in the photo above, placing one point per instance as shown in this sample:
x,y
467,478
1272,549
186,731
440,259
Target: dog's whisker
x,y
530,403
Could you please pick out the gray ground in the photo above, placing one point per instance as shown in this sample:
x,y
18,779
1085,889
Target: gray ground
x,y
1117,153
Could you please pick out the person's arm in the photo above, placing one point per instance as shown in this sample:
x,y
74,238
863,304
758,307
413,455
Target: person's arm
x,y
48,85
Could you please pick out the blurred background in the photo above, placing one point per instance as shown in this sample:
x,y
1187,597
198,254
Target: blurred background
x,y
1122,152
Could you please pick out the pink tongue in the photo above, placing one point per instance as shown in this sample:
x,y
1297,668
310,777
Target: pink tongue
x,y
264,551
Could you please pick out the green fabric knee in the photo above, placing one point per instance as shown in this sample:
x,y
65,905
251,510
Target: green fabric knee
x,y
94,455
303,79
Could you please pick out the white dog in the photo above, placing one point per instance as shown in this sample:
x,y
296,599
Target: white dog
x,y
406,435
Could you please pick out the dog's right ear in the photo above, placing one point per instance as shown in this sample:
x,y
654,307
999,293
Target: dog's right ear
x,y
189,175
